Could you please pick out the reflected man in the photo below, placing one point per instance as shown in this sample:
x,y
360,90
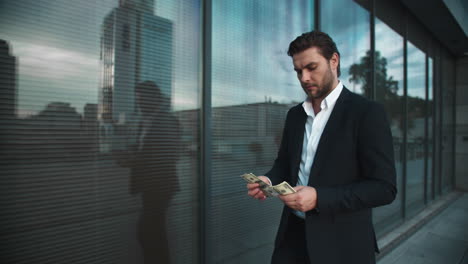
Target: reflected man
x,y
337,151
153,169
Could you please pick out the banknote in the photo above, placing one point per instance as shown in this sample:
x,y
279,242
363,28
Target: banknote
x,y
284,188
280,189
265,187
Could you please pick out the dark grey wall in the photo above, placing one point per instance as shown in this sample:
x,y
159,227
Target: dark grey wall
x,y
461,146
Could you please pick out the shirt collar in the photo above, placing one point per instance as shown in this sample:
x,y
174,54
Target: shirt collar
x,y
327,102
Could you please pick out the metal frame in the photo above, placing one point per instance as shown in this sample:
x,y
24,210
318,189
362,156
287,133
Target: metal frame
x,y
440,103
405,114
426,129
205,132
454,125
317,25
372,92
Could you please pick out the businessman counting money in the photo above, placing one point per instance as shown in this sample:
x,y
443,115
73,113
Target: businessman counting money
x,y
337,152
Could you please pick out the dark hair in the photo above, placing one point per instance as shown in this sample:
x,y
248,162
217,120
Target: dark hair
x,y
151,97
319,39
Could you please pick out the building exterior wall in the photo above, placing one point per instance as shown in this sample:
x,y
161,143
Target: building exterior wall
x,y
461,150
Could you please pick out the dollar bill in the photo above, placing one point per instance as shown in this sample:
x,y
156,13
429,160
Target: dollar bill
x,y
265,187
284,188
280,189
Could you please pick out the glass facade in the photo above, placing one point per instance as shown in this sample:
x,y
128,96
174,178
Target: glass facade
x,y
101,161
351,32
389,91
430,130
102,122
253,85
447,124
415,124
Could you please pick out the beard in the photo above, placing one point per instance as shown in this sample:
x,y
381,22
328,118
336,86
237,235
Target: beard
x,y
324,89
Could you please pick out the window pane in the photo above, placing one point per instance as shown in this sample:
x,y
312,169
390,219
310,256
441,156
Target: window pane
x,y
448,91
416,101
389,92
351,32
100,159
430,130
253,86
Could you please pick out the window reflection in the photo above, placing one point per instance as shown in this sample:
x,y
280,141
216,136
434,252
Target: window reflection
x,y
351,32
447,127
430,130
389,92
416,109
253,86
100,159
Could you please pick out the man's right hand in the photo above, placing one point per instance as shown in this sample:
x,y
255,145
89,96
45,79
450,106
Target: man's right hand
x,y
255,191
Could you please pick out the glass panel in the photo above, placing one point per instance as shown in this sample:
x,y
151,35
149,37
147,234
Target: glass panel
x,y
99,160
416,115
351,32
430,130
390,92
253,87
447,89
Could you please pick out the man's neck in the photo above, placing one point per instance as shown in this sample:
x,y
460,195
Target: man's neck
x,y
317,102
316,105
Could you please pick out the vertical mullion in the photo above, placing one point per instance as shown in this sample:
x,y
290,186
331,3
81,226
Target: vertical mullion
x,y
405,114
317,25
205,131
454,122
434,122
372,92
426,130
441,118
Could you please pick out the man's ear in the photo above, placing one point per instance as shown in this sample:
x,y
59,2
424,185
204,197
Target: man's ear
x,y
334,61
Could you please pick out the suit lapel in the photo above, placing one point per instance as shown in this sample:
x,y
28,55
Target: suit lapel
x,y
297,137
327,137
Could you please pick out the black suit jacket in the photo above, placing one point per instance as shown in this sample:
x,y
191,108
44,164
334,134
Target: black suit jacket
x,y
353,171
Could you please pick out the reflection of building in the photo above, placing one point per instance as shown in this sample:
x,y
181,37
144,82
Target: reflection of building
x,y
7,82
136,46
250,131
89,121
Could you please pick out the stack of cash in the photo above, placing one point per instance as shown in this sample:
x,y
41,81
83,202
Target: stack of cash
x,y
280,189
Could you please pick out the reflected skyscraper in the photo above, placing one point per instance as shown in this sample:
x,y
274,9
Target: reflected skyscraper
x,y
136,46
8,89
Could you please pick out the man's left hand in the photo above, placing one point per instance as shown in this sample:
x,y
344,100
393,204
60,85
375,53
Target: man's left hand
x,y
304,199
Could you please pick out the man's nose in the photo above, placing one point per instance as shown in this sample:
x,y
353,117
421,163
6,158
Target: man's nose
x,y
305,77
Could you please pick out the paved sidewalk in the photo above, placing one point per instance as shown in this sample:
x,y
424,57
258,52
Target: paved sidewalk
x,y
443,240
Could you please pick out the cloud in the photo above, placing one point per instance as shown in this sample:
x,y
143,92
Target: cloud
x,y
53,63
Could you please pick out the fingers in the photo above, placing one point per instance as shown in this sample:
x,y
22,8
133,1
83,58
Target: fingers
x,y
255,192
293,201
289,197
299,187
252,186
260,196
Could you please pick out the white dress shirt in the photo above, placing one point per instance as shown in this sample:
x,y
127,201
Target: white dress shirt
x,y
313,131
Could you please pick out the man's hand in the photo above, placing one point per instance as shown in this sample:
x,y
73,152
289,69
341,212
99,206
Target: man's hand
x,y
255,191
305,199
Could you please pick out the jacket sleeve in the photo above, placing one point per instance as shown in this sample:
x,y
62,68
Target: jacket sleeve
x,y
280,169
377,179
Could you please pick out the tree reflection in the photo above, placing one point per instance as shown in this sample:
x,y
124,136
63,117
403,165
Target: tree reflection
x,y
387,89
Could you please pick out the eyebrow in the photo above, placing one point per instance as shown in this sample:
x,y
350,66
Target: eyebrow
x,y
308,65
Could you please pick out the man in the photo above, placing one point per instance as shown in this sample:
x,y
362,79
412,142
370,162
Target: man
x,y
337,151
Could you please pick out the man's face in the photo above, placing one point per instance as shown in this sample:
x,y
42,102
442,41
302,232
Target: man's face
x,y
316,74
